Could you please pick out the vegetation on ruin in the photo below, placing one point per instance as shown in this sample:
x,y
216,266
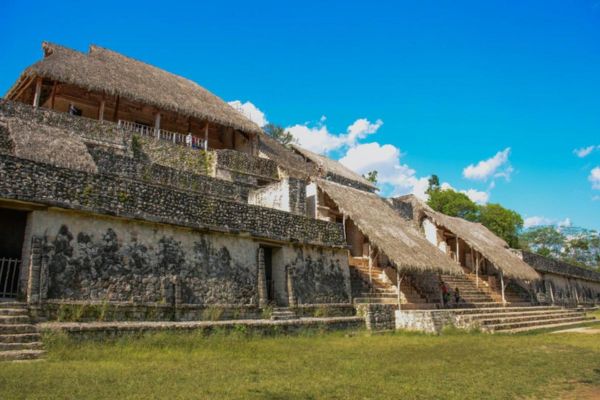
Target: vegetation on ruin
x,y
279,133
336,365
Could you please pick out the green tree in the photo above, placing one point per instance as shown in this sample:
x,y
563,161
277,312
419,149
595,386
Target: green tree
x,y
453,203
434,184
278,133
544,240
371,177
502,221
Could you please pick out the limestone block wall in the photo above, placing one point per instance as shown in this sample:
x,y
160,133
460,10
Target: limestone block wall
x,y
45,184
289,195
81,257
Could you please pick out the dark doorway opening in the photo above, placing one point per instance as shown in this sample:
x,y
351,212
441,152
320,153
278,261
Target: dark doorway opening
x,y
12,234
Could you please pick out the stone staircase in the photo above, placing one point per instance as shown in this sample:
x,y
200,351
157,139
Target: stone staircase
x,y
477,292
19,338
522,319
283,314
377,288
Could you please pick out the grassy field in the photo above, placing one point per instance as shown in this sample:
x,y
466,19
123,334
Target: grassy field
x,y
334,366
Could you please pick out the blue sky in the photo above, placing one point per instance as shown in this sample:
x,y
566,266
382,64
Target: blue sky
x,y
510,88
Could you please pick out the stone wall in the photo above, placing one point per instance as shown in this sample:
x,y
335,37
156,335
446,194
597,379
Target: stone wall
x,y
289,195
378,317
347,182
109,161
111,195
318,275
545,264
107,259
103,132
247,164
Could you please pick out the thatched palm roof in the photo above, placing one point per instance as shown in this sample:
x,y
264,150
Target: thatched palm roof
x,y
386,230
109,72
476,236
293,163
330,166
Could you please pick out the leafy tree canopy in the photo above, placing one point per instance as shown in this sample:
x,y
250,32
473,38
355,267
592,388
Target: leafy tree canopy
x,y
278,133
502,221
453,203
371,177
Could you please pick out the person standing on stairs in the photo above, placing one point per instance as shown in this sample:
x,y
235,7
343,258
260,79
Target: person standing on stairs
x,y
457,295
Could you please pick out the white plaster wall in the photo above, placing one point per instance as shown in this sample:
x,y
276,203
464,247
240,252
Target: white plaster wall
x,y
275,196
430,231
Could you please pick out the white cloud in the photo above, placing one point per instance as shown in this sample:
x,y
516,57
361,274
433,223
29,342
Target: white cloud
x,y
319,139
534,221
596,198
385,159
489,168
565,223
251,112
595,178
477,196
585,151
530,222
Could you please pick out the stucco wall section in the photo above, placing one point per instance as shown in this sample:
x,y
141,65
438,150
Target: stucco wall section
x,y
95,258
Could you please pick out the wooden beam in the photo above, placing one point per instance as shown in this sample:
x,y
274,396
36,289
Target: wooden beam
x,y
24,85
38,92
101,109
157,125
502,287
53,95
206,137
116,110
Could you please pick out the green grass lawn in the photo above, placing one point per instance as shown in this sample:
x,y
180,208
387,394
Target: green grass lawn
x,y
333,365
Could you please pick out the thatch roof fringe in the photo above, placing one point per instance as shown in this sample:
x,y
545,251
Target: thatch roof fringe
x,y
392,235
106,71
333,167
477,236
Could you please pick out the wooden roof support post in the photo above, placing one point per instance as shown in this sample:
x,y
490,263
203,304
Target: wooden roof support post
x,y
344,226
38,92
116,111
370,264
477,269
53,95
457,252
206,137
101,109
502,287
398,283
157,125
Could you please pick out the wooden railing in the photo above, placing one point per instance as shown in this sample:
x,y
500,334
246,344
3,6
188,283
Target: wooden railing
x,y
9,277
163,134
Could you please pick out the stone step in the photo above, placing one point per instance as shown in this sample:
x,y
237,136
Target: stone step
x,y
484,314
13,304
502,319
15,355
20,338
14,319
17,328
13,311
500,309
548,326
533,323
20,346
376,300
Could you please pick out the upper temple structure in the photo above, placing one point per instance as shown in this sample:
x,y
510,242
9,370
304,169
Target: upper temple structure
x,y
124,185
